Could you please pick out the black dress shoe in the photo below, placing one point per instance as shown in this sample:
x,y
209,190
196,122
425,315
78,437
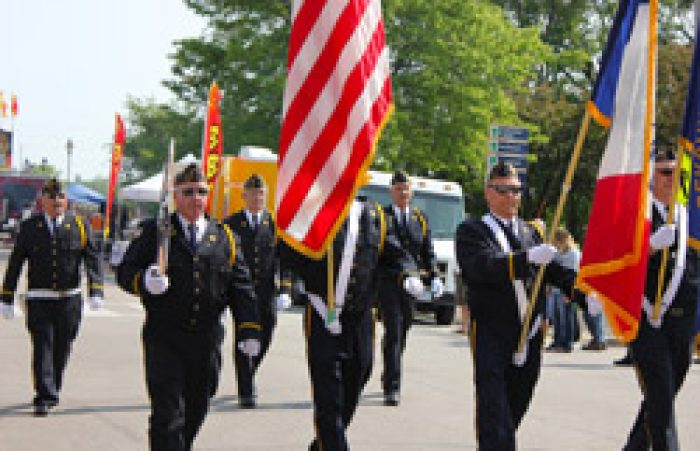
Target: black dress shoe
x,y
391,398
594,346
41,410
625,361
246,402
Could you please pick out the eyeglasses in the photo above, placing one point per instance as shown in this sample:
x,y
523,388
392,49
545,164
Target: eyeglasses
x,y
56,195
505,189
192,191
665,171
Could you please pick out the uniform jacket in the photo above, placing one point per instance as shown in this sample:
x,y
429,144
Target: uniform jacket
x,y
686,300
377,246
54,261
259,246
416,238
488,272
202,282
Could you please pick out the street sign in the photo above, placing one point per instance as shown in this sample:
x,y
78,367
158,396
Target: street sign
x,y
508,133
510,145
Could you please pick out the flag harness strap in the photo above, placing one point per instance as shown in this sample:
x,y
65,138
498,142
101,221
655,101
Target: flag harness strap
x,y
341,286
518,285
678,270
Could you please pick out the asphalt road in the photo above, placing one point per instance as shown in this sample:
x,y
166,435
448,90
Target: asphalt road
x,y
582,401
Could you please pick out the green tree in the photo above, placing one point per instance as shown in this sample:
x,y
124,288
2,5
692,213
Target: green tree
x,y
151,125
456,66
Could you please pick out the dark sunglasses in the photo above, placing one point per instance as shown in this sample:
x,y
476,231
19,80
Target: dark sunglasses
x,y
505,189
193,191
665,171
56,195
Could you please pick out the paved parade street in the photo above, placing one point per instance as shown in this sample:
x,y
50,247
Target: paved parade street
x,y
582,401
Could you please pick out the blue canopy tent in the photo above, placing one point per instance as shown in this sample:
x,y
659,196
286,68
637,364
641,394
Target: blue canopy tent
x,y
83,194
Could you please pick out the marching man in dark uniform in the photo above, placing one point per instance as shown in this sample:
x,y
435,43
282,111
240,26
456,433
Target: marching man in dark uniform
x,y
663,348
54,243
397,305
498,256
339,347
183,332
256,229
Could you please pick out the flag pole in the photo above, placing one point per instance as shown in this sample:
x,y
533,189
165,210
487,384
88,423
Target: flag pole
x,y
656,312
565,188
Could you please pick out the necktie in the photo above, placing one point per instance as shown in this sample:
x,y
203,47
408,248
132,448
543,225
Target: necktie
x,y
404,220
54,226
256,221
193,236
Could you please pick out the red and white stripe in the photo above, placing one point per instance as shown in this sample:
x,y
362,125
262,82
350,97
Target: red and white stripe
x,y
337,97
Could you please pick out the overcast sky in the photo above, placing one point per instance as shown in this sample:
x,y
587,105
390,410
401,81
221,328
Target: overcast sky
x,y
72,64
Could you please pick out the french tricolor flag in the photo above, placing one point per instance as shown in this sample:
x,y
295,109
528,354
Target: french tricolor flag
x,y
615,251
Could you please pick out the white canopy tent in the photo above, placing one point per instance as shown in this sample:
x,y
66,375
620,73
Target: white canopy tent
x,y
148,190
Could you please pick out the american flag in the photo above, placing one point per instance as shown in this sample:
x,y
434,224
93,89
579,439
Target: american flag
x,y
336,101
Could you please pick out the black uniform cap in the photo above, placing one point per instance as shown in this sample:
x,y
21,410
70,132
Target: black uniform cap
x,y
52,187
399,177
254,181
502,170
664,155
191,174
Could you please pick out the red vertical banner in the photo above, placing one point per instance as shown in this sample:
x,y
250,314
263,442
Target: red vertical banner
x,y
213,141
14,106
117,154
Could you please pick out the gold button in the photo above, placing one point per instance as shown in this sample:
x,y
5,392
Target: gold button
x,y
54,263
53,252
196,275
195,259
55,286
193,321
196,290
195,307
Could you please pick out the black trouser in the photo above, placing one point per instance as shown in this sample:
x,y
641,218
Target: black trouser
x,y
53,325
503,390
246,367
339,366
397,317
662,358
182,374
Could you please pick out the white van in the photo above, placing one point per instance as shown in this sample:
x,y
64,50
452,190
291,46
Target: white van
x,y
443,204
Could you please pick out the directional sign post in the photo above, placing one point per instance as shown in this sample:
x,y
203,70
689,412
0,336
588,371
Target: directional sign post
x,y
509,144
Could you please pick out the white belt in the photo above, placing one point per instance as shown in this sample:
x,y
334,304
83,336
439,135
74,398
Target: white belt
x,y
52,294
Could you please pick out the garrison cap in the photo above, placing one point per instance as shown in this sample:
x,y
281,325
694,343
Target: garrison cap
x,y
664,155
399,177
254,181
191,174
502,170
52,187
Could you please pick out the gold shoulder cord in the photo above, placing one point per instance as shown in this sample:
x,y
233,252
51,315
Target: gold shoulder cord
x,y
232,244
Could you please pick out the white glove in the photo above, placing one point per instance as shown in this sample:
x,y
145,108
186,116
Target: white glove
x,y
283,301
118,251
594,305
413,286
437,288
95,302
8,310
541,254
250,347
663,237
155,283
